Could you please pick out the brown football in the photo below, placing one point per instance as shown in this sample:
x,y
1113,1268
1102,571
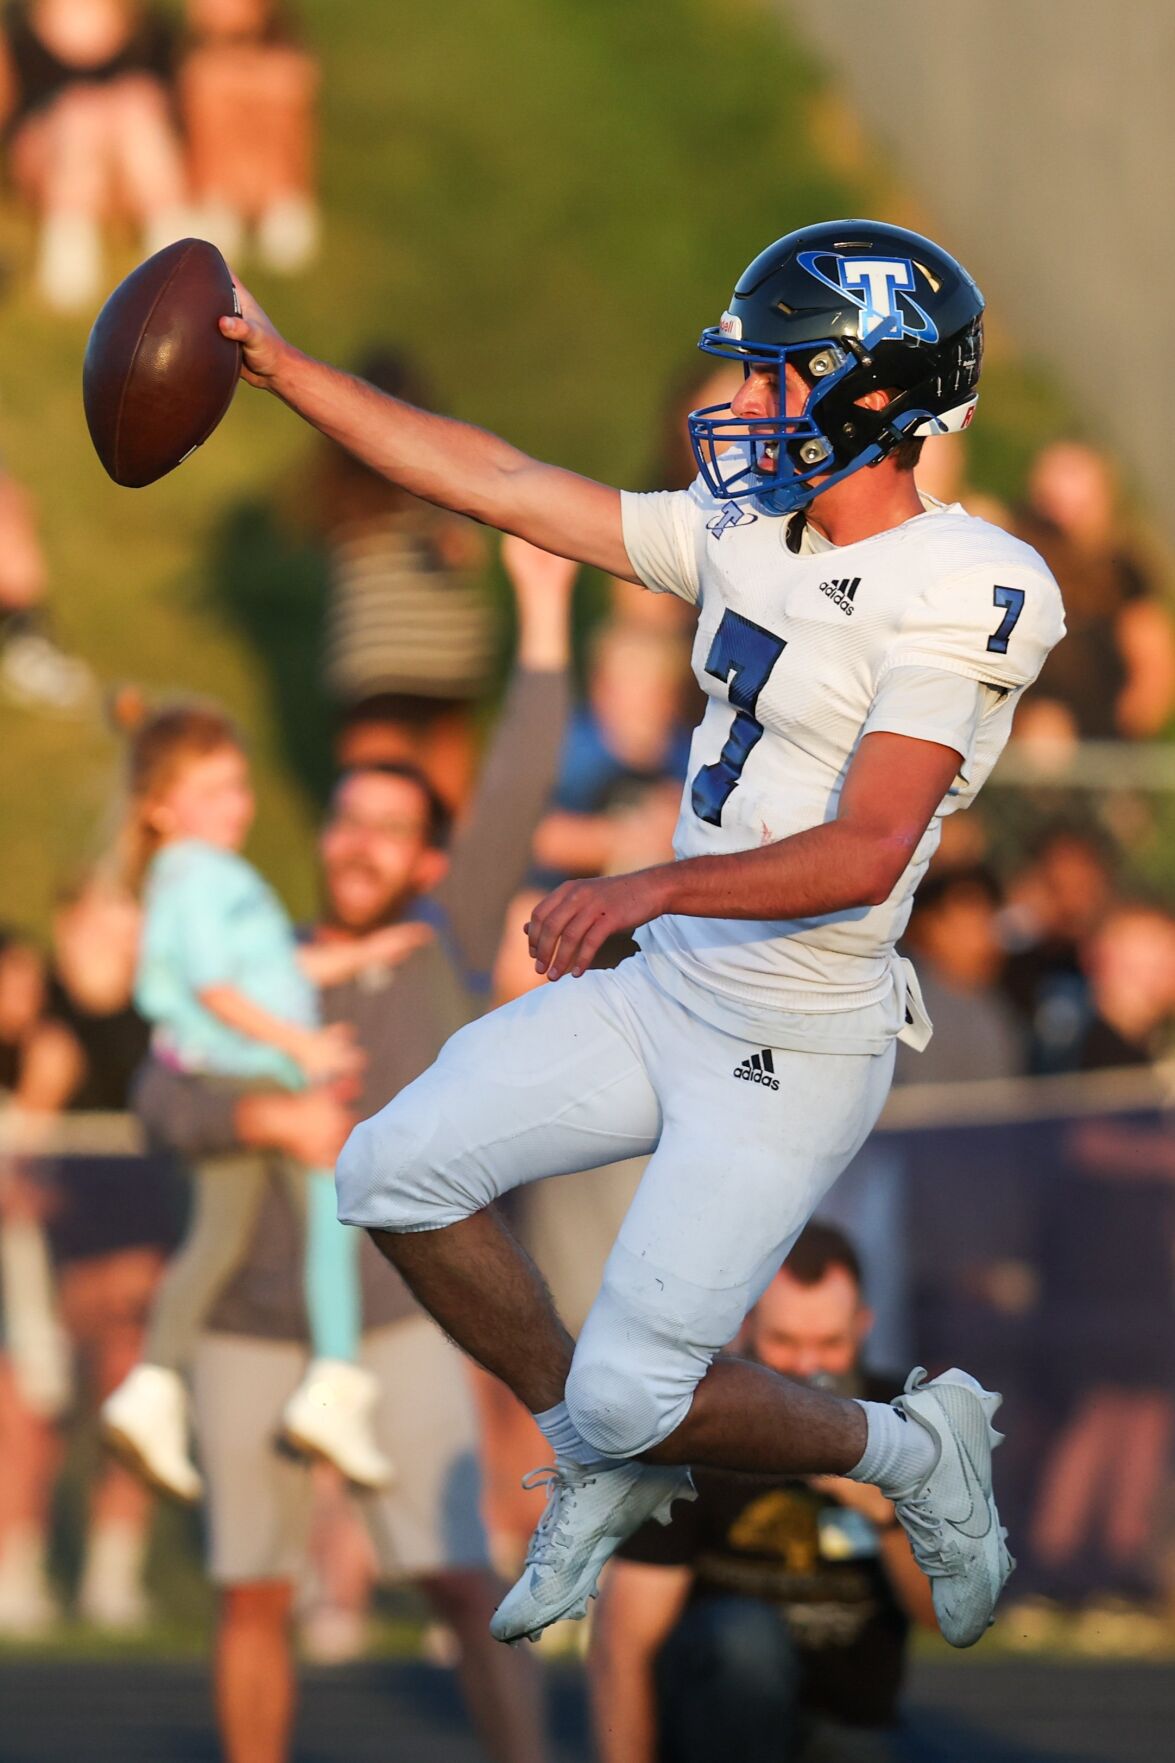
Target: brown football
x,y
158,375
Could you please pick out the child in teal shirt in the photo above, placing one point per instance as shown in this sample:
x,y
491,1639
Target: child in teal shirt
x,y
231,994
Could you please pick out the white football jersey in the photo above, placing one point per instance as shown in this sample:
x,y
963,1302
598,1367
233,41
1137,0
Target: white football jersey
x,y
932,629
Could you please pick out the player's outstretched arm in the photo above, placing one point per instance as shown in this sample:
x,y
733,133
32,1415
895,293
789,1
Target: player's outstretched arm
x,y
438,458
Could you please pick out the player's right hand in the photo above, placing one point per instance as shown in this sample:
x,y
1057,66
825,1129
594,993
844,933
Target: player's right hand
x,y
326,1053
262,345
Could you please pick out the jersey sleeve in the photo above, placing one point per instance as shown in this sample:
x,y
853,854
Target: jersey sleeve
x,y
994,623
659,531
930,704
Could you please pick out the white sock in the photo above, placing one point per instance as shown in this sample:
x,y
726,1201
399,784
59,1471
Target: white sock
x,y
558,1429
899,1454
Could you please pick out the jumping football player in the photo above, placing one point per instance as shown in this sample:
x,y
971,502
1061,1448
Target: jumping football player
x,y
862,650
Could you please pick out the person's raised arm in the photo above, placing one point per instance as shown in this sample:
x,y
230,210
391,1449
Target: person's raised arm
x,y
437,458
491,847
893,786
638,1606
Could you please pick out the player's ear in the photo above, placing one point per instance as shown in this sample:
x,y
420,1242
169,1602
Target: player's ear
x,y
877,399
863,1324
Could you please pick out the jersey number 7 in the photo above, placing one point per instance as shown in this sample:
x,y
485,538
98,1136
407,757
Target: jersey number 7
x,y
743,653
1012,601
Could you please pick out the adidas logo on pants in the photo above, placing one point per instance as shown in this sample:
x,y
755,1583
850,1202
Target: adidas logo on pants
x,y
759,1069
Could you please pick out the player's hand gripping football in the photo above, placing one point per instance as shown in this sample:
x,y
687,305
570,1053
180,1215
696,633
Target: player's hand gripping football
x,y
568,928
262,345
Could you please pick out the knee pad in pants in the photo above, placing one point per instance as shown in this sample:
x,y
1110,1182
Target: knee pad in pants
x,y
394,1172
645,1347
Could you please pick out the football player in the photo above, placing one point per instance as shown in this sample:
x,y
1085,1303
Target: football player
x,y
862,650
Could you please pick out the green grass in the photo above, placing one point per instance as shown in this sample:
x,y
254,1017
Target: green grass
x,y
546,201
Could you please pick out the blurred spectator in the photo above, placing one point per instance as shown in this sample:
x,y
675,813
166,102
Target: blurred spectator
x,y
1108,1292
1114,675
84,87
247,91
624,759
34,671
115,1219
1130,961
39,1060
1055,904
384,860
410,636
768,1621
954,939
39,1064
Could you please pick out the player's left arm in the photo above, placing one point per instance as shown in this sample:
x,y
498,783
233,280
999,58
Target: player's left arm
x,y
893,787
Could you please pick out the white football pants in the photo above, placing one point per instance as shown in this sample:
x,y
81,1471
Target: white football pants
x,y
745,1140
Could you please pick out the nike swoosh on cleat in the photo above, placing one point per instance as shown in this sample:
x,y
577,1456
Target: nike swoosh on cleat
x,y
979,1499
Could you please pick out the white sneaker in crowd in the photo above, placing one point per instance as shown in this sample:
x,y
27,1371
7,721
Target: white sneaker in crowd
x,y
28,1608
111,1595
330,1415
950,1517
168,225
287,235
145,1422
222,224
590,1511
69,262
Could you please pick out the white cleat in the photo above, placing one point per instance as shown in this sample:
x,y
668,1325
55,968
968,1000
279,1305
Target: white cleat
x,y
590,1511
950,1517
330,1415
145,1422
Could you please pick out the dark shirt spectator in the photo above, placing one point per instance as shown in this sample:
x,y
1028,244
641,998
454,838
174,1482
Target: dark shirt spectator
x,y
1056,903
954,938
106,1200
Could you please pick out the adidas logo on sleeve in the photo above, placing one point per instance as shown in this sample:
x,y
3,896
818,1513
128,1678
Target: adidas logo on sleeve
x,y
758,1069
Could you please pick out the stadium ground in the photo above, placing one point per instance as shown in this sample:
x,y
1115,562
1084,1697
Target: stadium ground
x,y
970,1712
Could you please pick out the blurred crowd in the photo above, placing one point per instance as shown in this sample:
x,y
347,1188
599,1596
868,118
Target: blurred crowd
x,y
126,124
117,115
1041,961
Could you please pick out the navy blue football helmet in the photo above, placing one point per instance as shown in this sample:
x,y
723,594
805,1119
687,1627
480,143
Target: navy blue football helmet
x,y
855,305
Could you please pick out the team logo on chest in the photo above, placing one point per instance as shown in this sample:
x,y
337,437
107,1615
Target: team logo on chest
x,y
730,514
842,592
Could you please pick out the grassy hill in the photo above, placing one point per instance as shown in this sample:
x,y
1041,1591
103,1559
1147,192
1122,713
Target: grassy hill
x,y
546,201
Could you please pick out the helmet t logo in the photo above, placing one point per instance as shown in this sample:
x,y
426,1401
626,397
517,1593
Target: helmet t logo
x,y
873,285
880,281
